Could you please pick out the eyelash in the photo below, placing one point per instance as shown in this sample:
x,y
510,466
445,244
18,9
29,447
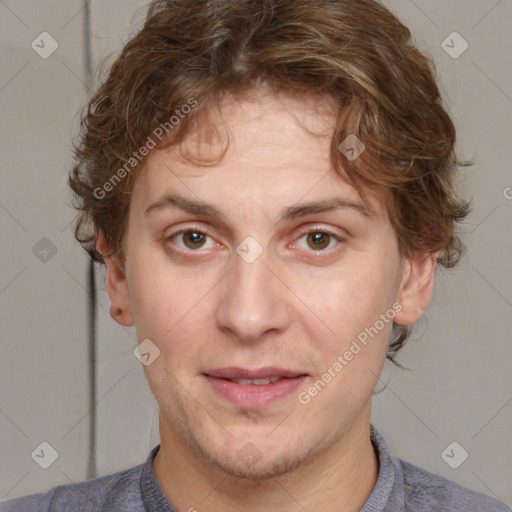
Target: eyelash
x,y
302,233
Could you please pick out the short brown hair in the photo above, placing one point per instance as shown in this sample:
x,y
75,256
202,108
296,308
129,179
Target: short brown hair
x,y
357,52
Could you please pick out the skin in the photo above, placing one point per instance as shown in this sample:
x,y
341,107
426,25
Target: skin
x,y
298,306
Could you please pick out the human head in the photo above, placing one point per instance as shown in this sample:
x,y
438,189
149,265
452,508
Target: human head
x,y
358,53
173,86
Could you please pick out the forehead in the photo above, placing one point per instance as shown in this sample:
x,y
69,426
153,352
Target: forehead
x,y
277,151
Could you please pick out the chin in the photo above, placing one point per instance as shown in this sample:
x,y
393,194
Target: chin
x,y
260,470
242,459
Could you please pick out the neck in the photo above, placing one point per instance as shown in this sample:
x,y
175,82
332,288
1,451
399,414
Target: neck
x,y
342,476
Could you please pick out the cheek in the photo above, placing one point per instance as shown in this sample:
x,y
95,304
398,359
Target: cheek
x,y
351,306
173,311
349,362
155,298
349,303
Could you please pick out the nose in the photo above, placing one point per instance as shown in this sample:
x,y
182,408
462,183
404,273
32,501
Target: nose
x,y
254,300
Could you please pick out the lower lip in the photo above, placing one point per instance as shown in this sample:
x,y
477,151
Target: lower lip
x,y
252,396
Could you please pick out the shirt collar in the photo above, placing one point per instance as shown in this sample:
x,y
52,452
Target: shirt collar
x,y
152,495
388,493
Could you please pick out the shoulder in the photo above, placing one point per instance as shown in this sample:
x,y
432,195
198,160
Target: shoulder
x,y
112,493
425,491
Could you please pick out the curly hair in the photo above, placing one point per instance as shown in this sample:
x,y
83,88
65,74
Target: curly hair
x,y
359,53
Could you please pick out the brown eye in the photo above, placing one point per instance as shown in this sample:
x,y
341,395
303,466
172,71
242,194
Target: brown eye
x,y
318,239
193,239
189,240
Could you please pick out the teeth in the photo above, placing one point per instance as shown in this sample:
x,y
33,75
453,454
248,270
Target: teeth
x,y
255,382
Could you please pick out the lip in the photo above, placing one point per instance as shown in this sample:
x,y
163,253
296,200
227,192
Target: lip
x,y
253,396
234,372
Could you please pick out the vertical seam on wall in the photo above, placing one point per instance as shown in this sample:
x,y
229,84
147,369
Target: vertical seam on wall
x,y
91,462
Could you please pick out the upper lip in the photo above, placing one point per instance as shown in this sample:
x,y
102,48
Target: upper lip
x,y
257,373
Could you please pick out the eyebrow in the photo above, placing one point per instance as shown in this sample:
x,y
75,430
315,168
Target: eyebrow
x,y
291,212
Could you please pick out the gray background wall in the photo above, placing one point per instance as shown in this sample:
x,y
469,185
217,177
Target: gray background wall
x,y
460,386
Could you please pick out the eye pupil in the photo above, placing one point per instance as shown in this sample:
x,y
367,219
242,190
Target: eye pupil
x,y
194,237
319,237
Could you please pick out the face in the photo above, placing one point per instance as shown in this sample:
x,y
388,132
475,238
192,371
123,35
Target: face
x,y
259,312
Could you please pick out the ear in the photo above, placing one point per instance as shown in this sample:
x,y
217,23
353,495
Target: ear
x,y
117,286
417,288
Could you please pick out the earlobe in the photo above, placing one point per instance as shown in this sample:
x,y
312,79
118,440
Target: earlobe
x,y
417,288
117,286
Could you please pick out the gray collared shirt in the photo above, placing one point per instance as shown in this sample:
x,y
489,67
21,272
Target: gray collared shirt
x,y
401,487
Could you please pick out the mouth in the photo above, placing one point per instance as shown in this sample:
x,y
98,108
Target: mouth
x,y
253,388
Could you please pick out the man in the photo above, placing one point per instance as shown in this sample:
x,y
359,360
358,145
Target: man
x,y
270,185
